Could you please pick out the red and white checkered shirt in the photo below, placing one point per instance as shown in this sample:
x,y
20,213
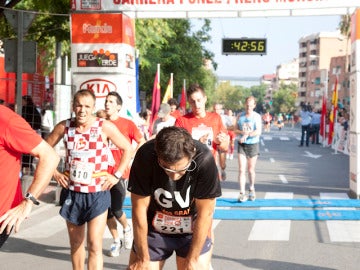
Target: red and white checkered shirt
x,y
88,150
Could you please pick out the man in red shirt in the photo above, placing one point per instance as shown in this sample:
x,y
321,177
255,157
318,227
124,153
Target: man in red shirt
x,y
207,127
127,127
16,138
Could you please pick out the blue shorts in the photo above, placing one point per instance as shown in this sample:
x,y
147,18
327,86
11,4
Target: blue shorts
x,y
79,208
161,246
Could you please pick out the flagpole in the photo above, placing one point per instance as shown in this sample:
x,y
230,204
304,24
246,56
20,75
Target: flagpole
x,y
158,72
325,100
172,85
324,129
155,104
137,81
336,113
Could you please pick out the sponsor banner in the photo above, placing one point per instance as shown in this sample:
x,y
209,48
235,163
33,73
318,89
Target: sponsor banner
x,y
109,58
354,101
102,28
354,163
208,5
355,41
341,142
355,26
102,84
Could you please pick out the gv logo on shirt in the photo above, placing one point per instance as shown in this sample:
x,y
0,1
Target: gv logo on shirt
x,y
165,198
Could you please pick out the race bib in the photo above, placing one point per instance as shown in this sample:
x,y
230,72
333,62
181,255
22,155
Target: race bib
x,y
204,134
172,224
81,172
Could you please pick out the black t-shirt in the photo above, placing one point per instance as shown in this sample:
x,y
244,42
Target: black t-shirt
x,y
174,198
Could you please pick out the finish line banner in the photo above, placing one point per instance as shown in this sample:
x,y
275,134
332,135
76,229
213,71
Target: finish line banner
x,y
218,8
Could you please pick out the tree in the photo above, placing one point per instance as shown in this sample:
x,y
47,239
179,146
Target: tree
x,y
228,95
345,29
168,42
50,25
258,91
284,99
177,50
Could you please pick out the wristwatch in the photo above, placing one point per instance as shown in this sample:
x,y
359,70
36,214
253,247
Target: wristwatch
x,y
29,196
118,175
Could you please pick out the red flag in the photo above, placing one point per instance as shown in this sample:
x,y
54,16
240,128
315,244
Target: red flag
x,y
155,104
323,118
332,118
183,99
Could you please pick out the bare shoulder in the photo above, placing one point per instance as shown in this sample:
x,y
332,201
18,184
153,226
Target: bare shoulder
x,y
60,126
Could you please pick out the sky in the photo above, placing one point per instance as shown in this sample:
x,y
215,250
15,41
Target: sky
x,y
282,33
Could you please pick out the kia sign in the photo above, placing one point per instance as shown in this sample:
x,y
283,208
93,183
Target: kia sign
x,y
99,87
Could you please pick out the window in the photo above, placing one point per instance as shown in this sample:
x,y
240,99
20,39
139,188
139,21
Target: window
x,y
336,70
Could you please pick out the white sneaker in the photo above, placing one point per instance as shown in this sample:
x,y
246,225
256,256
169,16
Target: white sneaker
x,y
115,249
231,156
252,195
242,197
128,238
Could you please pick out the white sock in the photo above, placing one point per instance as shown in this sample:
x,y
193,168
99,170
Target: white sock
x,y
117,240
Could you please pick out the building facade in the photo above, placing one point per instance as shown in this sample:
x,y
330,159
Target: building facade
x,y
316,52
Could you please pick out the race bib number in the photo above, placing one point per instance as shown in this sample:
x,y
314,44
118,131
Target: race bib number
x,y
204,134
247,126
81,172
172,224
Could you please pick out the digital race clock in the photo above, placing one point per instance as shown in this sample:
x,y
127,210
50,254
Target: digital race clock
x,y
244,46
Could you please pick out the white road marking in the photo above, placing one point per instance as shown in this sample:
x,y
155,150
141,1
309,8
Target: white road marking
x,y
309,154
283,179
341,230
272,230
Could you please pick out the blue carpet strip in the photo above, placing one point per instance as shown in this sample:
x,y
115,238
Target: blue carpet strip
x,y
287,214
243,211
238,214
306,203
313,203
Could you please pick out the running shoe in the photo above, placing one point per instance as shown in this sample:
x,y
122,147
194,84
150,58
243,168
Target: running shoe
x,y
128,238
115,249
252,195
242,197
